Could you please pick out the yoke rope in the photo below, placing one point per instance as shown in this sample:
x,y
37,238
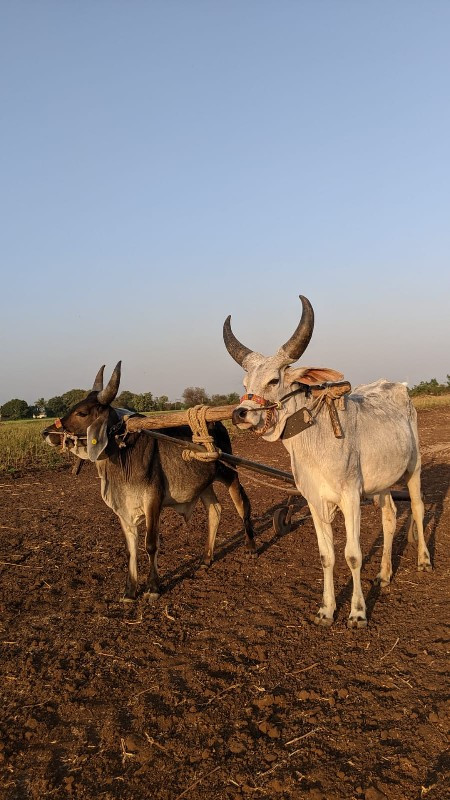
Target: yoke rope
x,y
200,435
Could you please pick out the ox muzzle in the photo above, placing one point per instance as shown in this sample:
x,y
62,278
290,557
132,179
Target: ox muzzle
x,y
250,416
56,435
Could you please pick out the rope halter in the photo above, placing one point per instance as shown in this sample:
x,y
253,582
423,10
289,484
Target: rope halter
x,y
268,407
67,436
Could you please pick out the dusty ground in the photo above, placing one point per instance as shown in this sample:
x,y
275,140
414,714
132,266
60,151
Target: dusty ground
x,y
223,688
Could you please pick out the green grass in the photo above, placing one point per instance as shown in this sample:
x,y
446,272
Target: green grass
x,y
22,447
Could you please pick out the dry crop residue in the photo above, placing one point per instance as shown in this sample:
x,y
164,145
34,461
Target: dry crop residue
x,y
223,689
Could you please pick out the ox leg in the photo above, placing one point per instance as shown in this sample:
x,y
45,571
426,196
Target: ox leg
x,y
389,521
152,512
324,533
242,505
214,511
131,537
417,511
351,509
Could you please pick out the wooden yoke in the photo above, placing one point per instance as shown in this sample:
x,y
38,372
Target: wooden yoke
x,y
172,419
334,390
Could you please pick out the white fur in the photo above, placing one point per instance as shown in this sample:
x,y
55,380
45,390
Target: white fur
x,y
380,444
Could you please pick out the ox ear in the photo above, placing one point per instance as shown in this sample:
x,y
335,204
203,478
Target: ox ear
x,y
312,375
97,439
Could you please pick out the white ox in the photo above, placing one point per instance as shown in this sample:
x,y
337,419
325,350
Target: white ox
x,y
379,445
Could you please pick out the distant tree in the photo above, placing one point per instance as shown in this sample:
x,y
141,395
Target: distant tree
x,y
231,399
39,408
125,400
161,403
72,397
218,399
431,387
176,405
195,396
55,406
15,409
143,402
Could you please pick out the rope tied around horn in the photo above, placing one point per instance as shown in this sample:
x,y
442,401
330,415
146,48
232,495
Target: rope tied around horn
x,y
200,435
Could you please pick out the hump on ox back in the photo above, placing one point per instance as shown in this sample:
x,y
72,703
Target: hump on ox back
x,y
147,475
358,448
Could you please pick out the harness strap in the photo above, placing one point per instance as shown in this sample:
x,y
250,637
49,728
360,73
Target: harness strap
x,y
339,387
329,401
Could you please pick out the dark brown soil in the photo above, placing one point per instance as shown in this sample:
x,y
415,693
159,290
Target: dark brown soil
x,y
222,689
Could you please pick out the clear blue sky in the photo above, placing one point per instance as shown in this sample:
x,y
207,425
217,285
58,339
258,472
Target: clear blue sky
x,y
164,164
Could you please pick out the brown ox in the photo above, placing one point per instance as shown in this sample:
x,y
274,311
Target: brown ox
x,y
144,477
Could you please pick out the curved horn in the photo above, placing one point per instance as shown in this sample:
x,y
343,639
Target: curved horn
x,y
233,345
98,383
107,395
299,340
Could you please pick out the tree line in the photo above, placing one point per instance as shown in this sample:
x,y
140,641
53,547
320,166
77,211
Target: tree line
x,y
431,387
59,405
193,395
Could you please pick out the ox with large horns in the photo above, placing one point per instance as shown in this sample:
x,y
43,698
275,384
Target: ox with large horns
x,y
141,478
378,444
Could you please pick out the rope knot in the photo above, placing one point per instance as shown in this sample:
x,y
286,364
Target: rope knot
x,y
200,435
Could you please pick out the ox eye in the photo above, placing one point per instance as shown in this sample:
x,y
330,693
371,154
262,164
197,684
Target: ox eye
x,y
82,414
274,382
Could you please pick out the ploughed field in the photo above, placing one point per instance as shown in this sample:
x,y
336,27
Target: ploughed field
x,y
223,688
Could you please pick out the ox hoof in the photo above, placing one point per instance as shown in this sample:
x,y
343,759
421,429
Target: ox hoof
x,y
205,564
381,582
126,599
356,622
151,597
425,567
321,619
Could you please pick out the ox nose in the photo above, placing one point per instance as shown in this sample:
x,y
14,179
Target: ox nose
x,y
239,415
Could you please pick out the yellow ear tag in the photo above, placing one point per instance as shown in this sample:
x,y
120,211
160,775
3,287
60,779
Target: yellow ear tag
x,y
94,441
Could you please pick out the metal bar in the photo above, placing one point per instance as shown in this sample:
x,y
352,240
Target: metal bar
x,y
254,465
400,494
